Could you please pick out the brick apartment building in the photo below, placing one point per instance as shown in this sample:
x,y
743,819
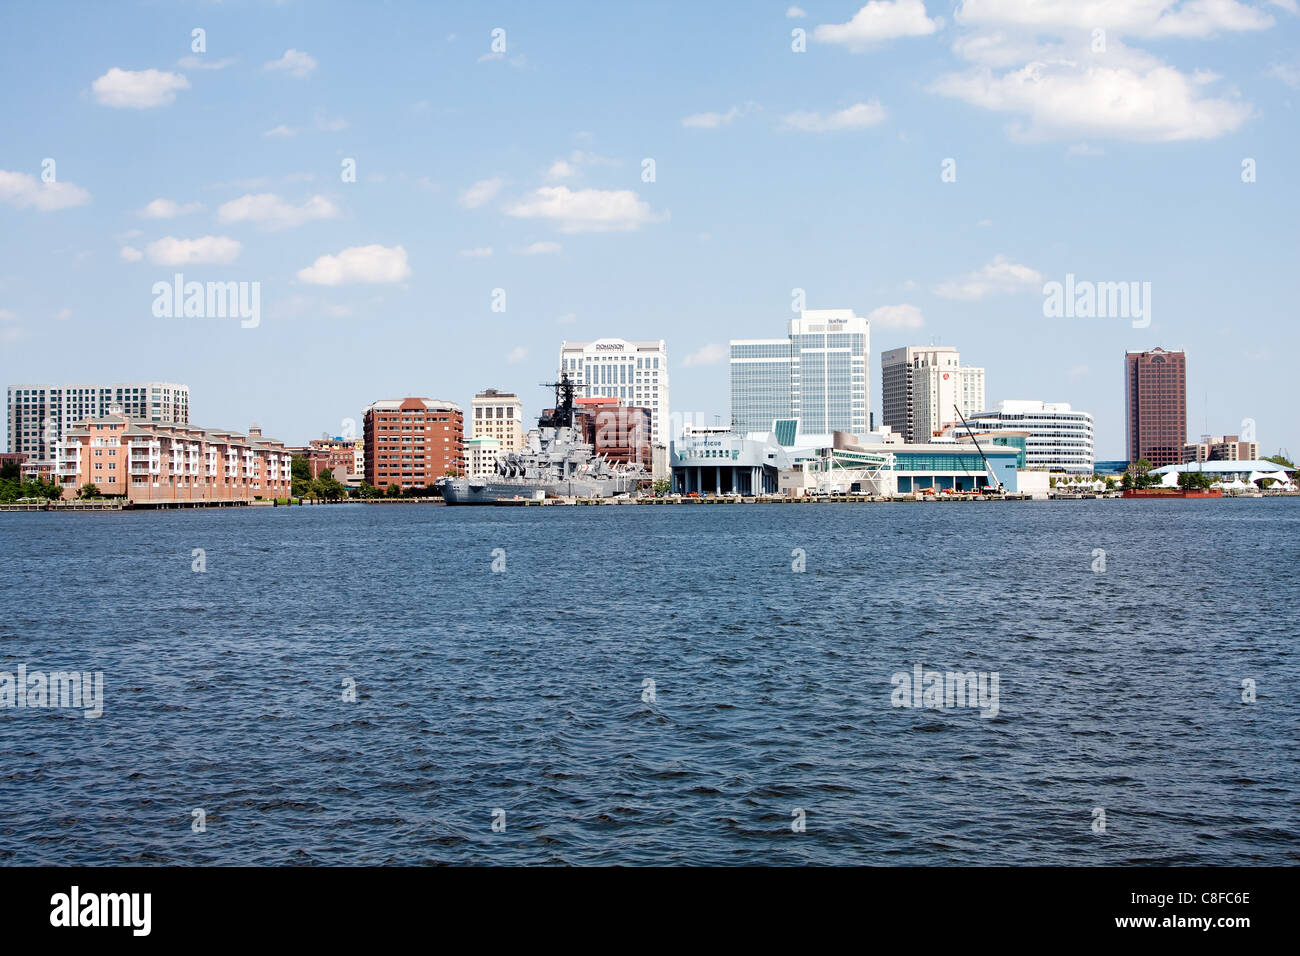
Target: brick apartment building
x,y
343,457
1155,394
156,463
412,442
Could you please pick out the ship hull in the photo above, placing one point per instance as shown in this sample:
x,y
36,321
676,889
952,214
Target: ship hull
x,y
461,491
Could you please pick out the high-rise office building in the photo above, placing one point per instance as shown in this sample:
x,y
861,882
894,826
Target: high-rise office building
x,y
39,415
1155,396
817,373
920,387
634,372
498,415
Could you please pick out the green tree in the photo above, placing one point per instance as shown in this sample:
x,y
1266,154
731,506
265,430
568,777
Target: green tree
x,y
663,486
365,490
88,490
1280,459
1194,480
393,491
299,468
327,486
10,471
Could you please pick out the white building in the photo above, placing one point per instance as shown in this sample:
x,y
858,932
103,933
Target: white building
x,y
39,415
1059,438
497,415
481,456
817,373
634,372
922,385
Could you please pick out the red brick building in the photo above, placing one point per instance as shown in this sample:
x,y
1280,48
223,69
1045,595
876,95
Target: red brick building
x,y
619,432
412,442
1155,387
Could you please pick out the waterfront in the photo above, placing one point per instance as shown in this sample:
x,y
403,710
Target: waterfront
x,y
1119,689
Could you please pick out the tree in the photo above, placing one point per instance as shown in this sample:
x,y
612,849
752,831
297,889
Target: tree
x,y
663,486
88,490
393,491
1280,459
10,471
1194,480
327,486
299,468
452,471
365,490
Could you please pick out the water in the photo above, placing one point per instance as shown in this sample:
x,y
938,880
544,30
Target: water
x,y
522,691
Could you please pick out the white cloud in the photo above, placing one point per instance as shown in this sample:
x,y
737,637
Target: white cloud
x,y
896,317
711,120
203,63
858,116
294,62
561,169
1037,62
168,209
22,190
708,355
330,124
482,252
586,210
269,210
138,89
878,21
1000,276
372,263
1145,18
516,355
795,13
206,250
1288,73
280,132
130,254
1143,101
482,192
542,249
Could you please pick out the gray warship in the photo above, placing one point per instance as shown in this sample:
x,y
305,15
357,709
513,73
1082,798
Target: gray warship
x,y
554,463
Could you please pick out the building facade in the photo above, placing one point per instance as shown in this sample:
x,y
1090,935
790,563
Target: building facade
x,y
498,415
1155,396
159,463
345,458
39,415
920,387
633,372
619,432
818,373
1058,437
1220,448
412,442
481,456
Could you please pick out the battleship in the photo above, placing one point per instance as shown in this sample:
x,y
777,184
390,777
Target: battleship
x,y
554,463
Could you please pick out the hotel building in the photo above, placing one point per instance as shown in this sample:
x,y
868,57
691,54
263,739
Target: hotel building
x,y
634,372
921,385
412,442
1057,437
1220,448
498,415
619,432
40,414
160,463
481,456
817,373
1155,397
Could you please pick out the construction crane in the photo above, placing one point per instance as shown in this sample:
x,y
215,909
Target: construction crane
x,y
987,467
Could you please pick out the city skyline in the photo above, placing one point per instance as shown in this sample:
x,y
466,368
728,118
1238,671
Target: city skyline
x,y
894,167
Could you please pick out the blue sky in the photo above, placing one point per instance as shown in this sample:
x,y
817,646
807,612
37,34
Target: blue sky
x,y
1114,157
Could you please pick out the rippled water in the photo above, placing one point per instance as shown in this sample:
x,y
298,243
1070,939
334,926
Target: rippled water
x,y
522,691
